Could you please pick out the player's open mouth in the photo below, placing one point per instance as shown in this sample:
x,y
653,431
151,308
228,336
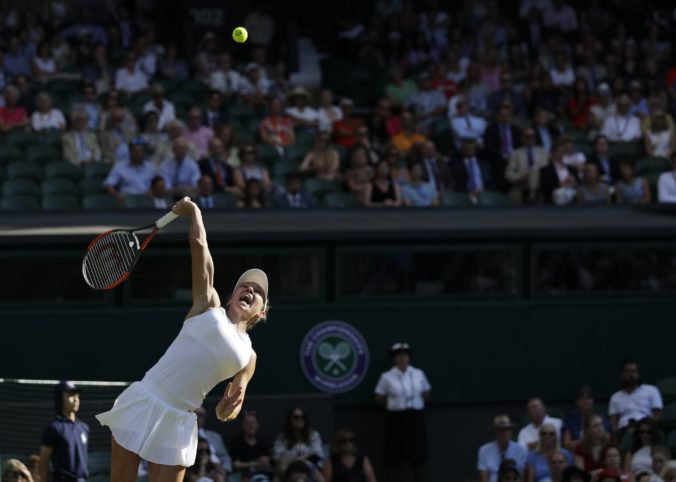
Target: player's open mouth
x,y
245,300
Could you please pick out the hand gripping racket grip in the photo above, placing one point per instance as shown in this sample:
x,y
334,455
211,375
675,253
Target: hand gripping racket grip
x,y
166,219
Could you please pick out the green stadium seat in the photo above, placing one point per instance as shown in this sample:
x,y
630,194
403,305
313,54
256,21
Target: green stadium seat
x,y
224,200
21,187
340,200
97,169
489,198
102,202
281,168
317,187
625,150
61,87
59,186
241,112
21,138
304,139
10,154
652,164
19,203
585,148
91,185
63,202
455,199
52,138
296,152
63,170
669,415
140,201
42,153
671,441
24,170
667,387
267,153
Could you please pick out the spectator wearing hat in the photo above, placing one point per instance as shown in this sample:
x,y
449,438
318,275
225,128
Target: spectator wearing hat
x,y
574,424
65,440
13,470
529,436
502,448
303,116
161,106
636,400
403,391
345,129
133,177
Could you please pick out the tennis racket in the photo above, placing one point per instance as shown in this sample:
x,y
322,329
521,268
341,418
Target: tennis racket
x,y
112,255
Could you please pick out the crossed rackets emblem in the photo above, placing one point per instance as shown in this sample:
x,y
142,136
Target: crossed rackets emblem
x,y
334,354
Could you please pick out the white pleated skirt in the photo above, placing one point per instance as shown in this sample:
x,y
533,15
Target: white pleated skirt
x,y
143,421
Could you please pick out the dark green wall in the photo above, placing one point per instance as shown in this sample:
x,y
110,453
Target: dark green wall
x,y
471,352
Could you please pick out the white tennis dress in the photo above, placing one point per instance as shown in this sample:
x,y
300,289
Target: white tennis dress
x,y
154,418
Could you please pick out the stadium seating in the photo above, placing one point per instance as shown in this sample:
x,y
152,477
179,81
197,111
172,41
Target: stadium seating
x,y
60,202
667,387
59,186
24,170
63,170
224,200
455,199
138,202
340,200
21,187
489,198
19,203
318,187
103,202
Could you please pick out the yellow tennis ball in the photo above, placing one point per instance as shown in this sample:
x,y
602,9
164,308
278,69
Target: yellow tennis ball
x,y
240,35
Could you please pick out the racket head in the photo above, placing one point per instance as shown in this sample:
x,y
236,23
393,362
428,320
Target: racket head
x,y
110,258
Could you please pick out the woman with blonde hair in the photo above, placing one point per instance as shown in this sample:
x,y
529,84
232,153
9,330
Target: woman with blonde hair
x,y
537,463
588,451
323,160
669,472
346,463
13,470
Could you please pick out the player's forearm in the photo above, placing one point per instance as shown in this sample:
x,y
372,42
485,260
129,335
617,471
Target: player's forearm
x,y
197,232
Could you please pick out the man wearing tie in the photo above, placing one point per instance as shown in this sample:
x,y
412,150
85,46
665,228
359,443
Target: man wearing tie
x,y
158,193
465,125
180,172
523,168
608,168
214,166
213,116
470,174
80,145
435,167
294,197
501,138
205,193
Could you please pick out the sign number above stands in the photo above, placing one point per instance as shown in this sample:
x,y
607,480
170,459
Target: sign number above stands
x,y
334,356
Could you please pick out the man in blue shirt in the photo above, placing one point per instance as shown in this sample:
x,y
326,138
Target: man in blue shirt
x,y
133,177
492,454
65,440
180,172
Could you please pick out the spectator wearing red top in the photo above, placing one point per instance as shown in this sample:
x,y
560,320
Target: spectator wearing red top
x,y
588,451
277,128
12,115
345,129
579,105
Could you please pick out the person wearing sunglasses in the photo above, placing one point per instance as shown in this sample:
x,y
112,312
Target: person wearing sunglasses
x,y
538,462
13,470
347,463
298,441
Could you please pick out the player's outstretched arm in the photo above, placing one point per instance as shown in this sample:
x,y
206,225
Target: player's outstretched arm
x,y
231,403
203,294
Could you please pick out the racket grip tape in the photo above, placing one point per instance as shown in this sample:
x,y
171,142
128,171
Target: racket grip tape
x,y
166,219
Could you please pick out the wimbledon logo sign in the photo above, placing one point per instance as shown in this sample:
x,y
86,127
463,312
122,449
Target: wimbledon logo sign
x,y
334,357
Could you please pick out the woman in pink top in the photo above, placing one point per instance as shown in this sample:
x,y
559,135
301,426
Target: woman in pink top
x,y
12,115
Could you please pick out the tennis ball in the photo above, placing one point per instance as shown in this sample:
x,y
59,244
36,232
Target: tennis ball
x,y
240,35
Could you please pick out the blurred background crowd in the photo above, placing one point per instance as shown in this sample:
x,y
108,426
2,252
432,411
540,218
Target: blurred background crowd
x,y
413,104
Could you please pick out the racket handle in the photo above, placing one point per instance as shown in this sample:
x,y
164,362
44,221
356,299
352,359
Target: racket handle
x,y
166,219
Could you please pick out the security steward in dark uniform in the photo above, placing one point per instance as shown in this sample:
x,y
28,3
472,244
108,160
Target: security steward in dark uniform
x,y
65,440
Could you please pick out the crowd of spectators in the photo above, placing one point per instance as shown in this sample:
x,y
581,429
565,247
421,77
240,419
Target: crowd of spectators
x,y
528,103
626,443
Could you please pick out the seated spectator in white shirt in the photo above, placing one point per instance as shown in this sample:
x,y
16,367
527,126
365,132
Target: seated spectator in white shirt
x,y
45,117
635,401
43,64
529,435
224,78
560,17
428,103
502,448
180,172
254,86
164,109
666,184
133,177
80,145
562,73
603,109
129,79
622,126
301,113
158,193
465,125
327,112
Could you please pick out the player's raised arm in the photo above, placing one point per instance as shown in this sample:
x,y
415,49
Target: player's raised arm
x,y
203,294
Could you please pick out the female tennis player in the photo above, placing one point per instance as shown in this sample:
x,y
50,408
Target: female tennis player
x,y
154,419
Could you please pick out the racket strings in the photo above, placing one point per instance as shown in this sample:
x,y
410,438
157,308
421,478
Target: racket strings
x,y
109,259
